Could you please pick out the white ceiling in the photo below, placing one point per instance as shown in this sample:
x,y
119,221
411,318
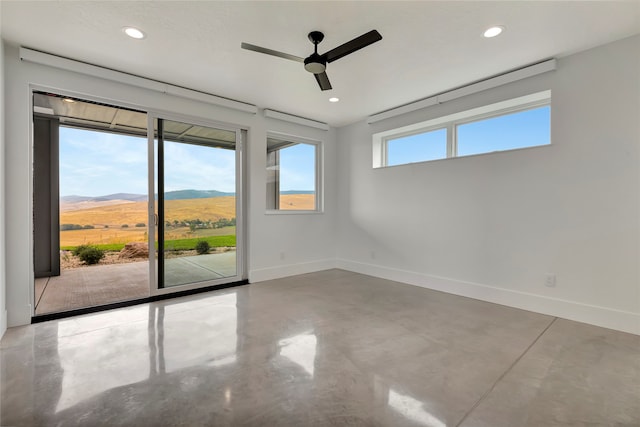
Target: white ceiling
x,y
427,47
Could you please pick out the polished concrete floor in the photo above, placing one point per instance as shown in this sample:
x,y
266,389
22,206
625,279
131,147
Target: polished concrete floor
x,y
332,348
97,285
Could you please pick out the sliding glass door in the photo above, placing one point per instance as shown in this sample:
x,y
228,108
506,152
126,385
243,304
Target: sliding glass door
x,y
129,205
197,205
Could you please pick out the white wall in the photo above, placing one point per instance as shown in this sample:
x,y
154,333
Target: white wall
x,y
288,244
3,309
307,241
492,226
488,227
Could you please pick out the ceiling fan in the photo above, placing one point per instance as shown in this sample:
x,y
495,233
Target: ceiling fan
x,y
316,63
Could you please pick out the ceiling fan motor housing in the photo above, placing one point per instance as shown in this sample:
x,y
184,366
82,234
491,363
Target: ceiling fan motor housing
x,y
315,64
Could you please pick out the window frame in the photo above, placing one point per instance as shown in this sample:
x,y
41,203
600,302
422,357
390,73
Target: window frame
x,y
318,182
452,121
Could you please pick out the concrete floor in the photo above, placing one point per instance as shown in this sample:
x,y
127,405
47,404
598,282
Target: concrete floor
x,y
104,284
332,348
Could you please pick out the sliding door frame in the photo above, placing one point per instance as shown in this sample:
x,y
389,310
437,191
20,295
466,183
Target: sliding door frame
x,y
155,293
154,217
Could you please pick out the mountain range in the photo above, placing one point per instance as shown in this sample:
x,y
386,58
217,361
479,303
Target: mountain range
x,y
170,195
117,196
130,197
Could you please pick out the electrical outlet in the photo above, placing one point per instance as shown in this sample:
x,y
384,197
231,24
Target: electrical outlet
x,y
550,280
281,255
373,254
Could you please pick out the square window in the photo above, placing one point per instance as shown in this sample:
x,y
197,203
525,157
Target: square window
x,y
292,175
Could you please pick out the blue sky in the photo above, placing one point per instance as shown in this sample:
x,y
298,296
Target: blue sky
x,y
523,129
297,168
417,148
196,167
101,163
511,131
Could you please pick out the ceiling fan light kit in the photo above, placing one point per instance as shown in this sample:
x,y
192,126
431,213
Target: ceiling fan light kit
x,y
316,63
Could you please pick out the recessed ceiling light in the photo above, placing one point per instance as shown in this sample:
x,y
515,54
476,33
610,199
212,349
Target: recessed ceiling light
x,y
493,31
334,99
69,100
133,32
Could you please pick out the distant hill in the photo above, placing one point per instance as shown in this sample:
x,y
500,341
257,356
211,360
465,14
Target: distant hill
x,y
171,195
75,199
195,194
126,196
117,196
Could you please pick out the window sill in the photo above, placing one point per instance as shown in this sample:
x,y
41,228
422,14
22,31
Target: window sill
x,y
292,212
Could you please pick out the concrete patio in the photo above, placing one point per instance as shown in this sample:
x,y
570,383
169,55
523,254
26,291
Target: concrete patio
x,y
105,284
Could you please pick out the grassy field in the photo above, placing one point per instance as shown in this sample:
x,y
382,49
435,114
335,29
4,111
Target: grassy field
x,y
108,220
188,244
134,234
297,202
211,209
172,245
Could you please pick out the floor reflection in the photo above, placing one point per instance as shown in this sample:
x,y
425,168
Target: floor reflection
x,y
156,341
412,409
111,358
300,349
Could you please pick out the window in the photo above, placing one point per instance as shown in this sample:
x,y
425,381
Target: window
x,y
293,174
509,125
527,128
421,147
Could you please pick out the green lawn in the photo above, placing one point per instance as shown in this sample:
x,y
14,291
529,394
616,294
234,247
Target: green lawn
x,y
188,244
174,245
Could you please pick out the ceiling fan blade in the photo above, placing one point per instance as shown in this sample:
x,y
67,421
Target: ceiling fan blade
x,y
271,52
353,45
323,81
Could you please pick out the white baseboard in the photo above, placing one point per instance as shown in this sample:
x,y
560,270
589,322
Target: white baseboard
x,y
595,315
277,272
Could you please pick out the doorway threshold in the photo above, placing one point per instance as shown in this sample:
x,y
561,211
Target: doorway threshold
x,y
95,309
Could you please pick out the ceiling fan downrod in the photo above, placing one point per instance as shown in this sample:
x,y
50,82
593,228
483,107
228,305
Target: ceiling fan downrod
x,y
315,63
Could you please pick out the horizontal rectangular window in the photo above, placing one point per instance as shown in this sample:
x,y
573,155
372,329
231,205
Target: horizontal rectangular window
x,y
509,125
